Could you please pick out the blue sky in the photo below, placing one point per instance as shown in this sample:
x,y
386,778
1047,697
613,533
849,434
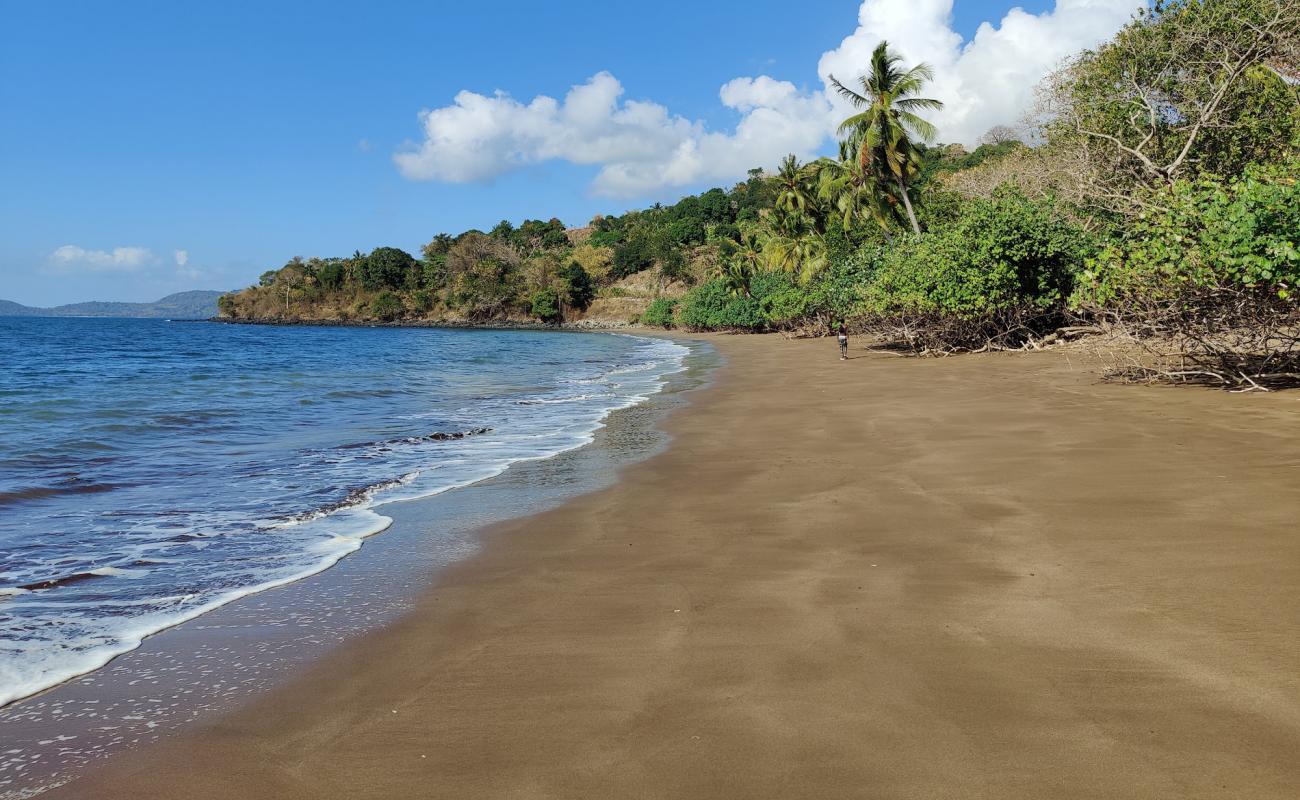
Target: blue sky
x,y
246,133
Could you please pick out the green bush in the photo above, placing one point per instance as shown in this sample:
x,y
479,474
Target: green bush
x,y
780,298
386,306
578,285
387,268
1005,253
546,305
711,307
837,292
660,313
422,300
1205,234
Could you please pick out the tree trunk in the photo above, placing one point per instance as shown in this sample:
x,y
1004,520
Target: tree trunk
x,y
907,203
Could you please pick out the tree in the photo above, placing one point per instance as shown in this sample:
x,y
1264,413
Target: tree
x,y
881,133
503,230
741,258
579,290
483,275
437,246
596,261
331,275
387,268
797,192
852,193
633,255
1189,87
792,244
1000,134
289,279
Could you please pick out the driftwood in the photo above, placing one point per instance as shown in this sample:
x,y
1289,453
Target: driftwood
x,y
1239,339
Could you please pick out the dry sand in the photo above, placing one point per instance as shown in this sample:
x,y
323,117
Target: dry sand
x,y
979,577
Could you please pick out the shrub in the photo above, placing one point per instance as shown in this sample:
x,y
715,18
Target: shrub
x,y
711,307
996,276
1000,254
780,298
546,305
386,306
422,300
660,313
838,291
1205,234
1205,282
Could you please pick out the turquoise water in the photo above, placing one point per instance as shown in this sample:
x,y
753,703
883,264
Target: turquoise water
x,y
151,471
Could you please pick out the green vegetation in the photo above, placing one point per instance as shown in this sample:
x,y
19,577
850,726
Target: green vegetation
x,y
661,313
1207,234
881,135
1153,193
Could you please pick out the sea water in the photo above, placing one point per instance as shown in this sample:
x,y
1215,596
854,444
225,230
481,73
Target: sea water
x,y
151,471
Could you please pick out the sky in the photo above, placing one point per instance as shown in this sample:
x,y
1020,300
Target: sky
x,y
154,147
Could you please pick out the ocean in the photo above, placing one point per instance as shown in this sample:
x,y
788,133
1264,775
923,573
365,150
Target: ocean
x,y
151,471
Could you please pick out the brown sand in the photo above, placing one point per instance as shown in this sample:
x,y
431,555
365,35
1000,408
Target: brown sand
x,y
980,577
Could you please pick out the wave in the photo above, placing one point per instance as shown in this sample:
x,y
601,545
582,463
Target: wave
x,y
317,538
546,401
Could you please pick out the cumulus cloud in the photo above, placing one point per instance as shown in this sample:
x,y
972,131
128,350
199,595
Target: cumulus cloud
x,y
987,81
70,257
182,257
638,145
641,147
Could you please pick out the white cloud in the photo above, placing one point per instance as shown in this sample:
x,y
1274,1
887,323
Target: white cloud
x,y
70,257
182,257
641,147
638,145
987,81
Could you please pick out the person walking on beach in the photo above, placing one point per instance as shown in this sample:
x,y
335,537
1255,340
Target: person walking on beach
x,y
843,336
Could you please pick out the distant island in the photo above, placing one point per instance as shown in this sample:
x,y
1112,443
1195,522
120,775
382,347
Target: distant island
x,y
199,304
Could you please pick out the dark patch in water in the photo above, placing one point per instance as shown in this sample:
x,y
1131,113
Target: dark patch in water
x,y
66,580
74,486
438,436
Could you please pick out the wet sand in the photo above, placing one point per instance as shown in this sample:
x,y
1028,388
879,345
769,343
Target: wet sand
x,y
979,577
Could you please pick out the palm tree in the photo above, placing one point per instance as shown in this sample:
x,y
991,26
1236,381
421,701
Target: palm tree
x,y
736,276
852,193
881,132
741,258
796,187
791,242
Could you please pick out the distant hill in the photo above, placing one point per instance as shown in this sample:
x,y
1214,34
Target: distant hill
x,y
200,304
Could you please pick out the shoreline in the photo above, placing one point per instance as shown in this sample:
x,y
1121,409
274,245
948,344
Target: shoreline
x,y
887,577
591,326
267,630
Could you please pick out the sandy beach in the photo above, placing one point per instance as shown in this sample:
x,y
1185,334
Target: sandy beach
x,y
975,577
